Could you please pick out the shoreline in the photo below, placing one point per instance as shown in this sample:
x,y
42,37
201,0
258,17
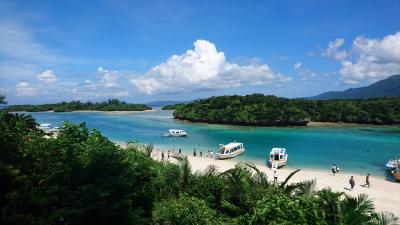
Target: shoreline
x,y
310,124
89,111
382,191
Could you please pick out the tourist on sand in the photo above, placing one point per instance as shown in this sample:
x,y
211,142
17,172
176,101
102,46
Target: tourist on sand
x,y
180,151
201,153
352,183
337,169
169,151
367,181
194,152
275,177
334,169
162,155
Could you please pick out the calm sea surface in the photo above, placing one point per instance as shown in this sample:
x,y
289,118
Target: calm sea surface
x,y
358,149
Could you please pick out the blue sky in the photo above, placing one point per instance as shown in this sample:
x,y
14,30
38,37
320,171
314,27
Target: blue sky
x,y
143,51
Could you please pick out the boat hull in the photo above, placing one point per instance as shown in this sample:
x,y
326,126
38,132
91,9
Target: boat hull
x,y
173,135
229,156
396,175
280,163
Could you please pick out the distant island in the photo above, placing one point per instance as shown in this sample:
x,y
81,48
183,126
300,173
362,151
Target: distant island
x,y
110,105
261,110
389,87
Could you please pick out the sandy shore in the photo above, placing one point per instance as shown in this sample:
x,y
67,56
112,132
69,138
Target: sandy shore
x,y
114,112
385,194
89,111
332,124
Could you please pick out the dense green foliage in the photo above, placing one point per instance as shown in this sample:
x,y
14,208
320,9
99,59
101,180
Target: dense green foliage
x,y
258,109
172,107
110,105
83,178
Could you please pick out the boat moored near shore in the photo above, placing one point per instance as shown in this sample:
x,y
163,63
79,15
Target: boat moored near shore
x,y
230,150
392,164
277,158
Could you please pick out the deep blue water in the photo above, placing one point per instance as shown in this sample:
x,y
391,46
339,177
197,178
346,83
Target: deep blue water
x,y
358,149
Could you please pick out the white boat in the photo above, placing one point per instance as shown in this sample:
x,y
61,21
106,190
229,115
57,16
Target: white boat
x,y
230,150
392,164
44,126
175,133
277,157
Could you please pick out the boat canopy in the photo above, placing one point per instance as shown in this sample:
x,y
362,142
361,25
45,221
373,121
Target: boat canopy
x,y
278,151
233,145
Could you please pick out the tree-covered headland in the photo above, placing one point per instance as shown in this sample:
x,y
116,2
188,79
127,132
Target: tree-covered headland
x,y
261,110
81,177
110,105
172,107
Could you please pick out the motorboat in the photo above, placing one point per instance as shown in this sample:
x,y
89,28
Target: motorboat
x,y
392,164
44,126
230,150
277,158
175,133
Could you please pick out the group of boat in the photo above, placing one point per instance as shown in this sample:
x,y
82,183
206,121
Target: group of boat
x,y
277,157
393,166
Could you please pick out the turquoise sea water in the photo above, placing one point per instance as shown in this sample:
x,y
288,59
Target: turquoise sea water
x,y
360,149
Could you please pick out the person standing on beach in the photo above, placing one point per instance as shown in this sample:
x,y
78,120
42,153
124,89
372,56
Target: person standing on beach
x,y
180,151
169,151
337,169
333,169
275,177
352,183
201,153
367,181
162,156
194,152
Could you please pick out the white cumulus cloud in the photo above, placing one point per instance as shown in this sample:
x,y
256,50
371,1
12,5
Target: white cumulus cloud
x,y
25,89
108,78
47,76
305,73
368,59
203,68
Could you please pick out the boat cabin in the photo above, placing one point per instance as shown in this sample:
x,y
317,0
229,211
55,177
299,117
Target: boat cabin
x,y
230,150
175,133
277,154
277,157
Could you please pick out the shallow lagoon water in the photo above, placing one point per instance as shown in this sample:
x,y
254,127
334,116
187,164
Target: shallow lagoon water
x,y
361,149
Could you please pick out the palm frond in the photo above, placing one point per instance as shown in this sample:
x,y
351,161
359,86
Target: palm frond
x,y
261,178
386,218
288,178
211,170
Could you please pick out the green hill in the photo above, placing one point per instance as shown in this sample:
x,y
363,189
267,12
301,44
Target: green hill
x,y
389,87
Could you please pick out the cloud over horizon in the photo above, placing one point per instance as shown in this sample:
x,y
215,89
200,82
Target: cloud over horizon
x,y
204,68
368,59
47,76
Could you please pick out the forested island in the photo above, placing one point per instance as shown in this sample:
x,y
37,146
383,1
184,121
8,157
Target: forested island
x,y
261,110
172,107
110,105
81,177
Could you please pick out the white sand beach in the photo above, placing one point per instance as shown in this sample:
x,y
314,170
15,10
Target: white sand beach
x,y
385,194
